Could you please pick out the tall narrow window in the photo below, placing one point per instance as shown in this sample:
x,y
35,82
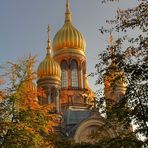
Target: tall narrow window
x,y
74,74
64,77
82,76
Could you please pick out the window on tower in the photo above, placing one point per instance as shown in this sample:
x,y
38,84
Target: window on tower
x,y
82,74
74,74
64,76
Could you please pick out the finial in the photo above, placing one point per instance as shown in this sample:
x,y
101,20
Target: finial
x,y
111,48
67,13
111,39
48,41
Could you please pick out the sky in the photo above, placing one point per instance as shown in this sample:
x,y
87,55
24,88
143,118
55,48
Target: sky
x,y
23,26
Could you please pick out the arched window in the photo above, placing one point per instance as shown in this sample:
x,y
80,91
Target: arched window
x,y
64,76
82,75
74,74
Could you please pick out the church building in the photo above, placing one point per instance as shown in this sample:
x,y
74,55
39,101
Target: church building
x,y
63,77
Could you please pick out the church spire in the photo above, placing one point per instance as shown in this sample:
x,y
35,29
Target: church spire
x,y
110,40
68,13
48,41
111,48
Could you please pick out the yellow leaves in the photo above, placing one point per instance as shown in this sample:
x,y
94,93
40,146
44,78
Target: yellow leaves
x,y
114,78
24,127
29,129
1,92
41,93
30,124
53,119
46,108
48,128
1,80
27,96
1,95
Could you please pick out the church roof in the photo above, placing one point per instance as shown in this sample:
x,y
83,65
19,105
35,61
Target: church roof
x,y
75,116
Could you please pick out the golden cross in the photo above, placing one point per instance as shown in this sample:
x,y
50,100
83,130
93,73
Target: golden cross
x,y
48,31
111,39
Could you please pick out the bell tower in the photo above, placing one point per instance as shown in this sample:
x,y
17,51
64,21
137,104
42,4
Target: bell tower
x,y
69,51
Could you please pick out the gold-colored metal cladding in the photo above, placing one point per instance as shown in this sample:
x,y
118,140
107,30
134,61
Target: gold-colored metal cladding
x,y
49,67
114,80
68,37
114,74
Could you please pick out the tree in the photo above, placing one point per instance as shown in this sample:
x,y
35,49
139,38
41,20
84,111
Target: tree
x,y
24,123
133,61
1,92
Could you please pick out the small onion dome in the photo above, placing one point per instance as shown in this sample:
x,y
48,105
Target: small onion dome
x,y
114,79
68,38
114,83
114,75
49,67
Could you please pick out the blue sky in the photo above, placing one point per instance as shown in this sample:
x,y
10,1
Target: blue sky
x,y
23,26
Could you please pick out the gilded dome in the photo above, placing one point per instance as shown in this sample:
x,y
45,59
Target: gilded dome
x,y
49,67
114,83
68,38
114,75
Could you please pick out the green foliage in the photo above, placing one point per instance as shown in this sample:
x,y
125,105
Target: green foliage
x,y
28,129
133,107
68,143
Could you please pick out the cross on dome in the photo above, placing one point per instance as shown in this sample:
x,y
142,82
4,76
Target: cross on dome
x,y
48,41
68,13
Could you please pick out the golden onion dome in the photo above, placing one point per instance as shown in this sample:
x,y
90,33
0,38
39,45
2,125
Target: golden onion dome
x,y
114,84
49,67
114,78
114,75
68,38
